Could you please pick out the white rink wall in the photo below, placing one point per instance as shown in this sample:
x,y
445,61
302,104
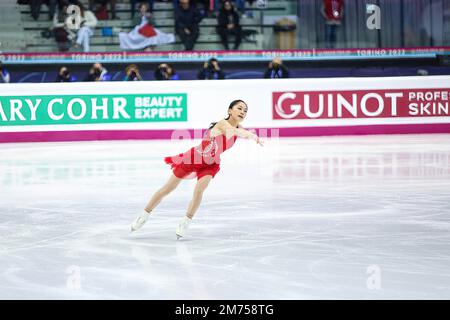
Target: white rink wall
x,y
292,107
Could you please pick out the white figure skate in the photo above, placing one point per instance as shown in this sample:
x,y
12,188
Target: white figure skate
x,y
182,227
140,220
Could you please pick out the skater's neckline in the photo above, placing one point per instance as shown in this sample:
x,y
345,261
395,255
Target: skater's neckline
x,y
222,134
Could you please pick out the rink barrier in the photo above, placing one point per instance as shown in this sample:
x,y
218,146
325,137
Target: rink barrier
x,y
89,135
162,109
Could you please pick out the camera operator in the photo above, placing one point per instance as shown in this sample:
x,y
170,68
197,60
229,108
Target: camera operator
x,y
97,73
132,73
276,69
211,71
64,75
4,74
165,71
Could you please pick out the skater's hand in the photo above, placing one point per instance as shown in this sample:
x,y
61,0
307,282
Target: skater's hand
x,y
260,142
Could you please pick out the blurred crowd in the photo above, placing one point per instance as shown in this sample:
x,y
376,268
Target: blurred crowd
x,y
73,22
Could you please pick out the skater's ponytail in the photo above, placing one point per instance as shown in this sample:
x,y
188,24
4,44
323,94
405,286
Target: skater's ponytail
x,y
232,104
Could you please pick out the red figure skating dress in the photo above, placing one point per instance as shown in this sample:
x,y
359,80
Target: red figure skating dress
x,y
201,160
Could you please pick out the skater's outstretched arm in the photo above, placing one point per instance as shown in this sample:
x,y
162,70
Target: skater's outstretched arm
x,y
225,127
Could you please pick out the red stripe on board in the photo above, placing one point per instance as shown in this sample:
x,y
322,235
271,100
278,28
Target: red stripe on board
x,y
54,136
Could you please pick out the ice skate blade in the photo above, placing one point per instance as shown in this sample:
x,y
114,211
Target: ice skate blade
x,y
178,237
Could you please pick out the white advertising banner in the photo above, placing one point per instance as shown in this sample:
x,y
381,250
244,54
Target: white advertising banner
x,y
279,103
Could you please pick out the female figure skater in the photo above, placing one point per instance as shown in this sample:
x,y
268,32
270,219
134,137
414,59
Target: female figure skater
x,y
202,162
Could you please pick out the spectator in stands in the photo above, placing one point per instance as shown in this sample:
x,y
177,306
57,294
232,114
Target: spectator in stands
x,y
4,74
332,11
97,73
62,33
165,71
132,73
276,69
187,18
96,5
238,4
35,8
211,71
84,33
228,24
133,6
64,75
144,35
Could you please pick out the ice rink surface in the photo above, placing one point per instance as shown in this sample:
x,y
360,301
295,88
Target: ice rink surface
x,y
364,217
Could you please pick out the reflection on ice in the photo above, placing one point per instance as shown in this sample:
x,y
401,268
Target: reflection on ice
x,y
384,165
